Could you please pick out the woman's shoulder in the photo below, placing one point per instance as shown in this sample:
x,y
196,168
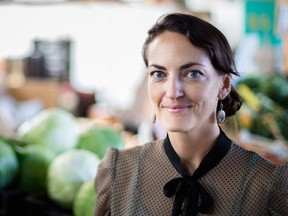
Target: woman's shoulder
x,y
255,160
139,149
260,172
125,156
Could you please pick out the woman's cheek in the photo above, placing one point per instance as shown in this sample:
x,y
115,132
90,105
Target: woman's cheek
x,y
196,94
154,94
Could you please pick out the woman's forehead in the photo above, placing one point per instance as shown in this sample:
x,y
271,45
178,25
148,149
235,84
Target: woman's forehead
x,y
174,46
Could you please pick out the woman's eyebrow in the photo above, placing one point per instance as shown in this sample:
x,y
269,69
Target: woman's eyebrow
x,y
185,66
157,66
190,64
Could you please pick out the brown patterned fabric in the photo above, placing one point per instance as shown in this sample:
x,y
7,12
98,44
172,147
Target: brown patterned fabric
x,y
130,182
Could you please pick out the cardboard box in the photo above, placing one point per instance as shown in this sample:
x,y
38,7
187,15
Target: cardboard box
x,y
47,91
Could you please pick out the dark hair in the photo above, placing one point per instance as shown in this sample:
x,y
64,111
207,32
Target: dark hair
x,y
205,36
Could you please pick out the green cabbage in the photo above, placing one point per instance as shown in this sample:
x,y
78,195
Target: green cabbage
x,y
85,200
9,164
34,163
54,128
68,172
99,138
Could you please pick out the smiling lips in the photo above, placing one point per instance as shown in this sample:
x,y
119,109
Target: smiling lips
x,y
176,108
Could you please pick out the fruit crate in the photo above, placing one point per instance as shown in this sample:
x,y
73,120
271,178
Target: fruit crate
x,y
14,202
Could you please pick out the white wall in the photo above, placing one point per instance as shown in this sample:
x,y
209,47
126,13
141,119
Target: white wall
x,y
107,40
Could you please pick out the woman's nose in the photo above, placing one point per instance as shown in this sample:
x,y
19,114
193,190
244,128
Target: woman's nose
x,y
174,89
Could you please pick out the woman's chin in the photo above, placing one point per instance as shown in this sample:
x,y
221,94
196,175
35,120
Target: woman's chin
x,y
177,128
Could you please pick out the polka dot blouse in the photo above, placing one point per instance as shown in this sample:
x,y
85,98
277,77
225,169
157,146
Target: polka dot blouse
x,y
148,180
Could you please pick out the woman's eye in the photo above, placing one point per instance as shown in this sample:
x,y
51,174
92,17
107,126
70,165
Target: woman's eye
x,y
158,74
194,74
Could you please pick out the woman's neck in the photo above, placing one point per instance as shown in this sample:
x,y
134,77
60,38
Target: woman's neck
x,y
192,146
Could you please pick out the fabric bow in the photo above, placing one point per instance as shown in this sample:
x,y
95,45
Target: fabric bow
x,y
189,191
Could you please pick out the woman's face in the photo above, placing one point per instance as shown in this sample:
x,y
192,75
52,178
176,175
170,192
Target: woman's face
x,y
184,87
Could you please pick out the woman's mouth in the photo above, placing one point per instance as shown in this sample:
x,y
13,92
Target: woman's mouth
x,y
176,108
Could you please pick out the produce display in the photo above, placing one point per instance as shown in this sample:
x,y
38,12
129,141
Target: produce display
x,y
98,139
265,110
34,162
84,202
50,168
68,172
54,128
9,164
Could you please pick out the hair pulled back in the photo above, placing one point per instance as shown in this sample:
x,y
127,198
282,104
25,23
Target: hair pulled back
x,y
207,37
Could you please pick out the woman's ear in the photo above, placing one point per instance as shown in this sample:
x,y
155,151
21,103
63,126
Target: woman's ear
x,y
225,87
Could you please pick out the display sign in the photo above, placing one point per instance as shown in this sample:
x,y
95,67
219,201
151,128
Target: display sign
x,y
260,18
49,59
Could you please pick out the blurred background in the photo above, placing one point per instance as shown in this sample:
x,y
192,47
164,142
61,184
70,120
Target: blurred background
x,y
85,57
73,84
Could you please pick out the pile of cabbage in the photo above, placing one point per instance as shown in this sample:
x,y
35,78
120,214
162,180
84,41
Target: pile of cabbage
x,y
56,159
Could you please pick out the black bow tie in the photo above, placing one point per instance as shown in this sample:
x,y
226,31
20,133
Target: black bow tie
x,y
190,196
188,192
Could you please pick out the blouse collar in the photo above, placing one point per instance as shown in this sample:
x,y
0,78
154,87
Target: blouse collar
x,y
189,192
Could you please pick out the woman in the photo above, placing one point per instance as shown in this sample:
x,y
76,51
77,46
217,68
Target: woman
x,y
196,169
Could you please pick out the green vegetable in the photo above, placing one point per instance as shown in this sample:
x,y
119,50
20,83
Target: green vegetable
x,y
54,128
9,164
98,138
85,200
267,107
276,88
282,122
34,163
253,81
68,172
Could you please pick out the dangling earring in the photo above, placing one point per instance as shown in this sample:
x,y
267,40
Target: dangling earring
x,y
221,115
153,117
